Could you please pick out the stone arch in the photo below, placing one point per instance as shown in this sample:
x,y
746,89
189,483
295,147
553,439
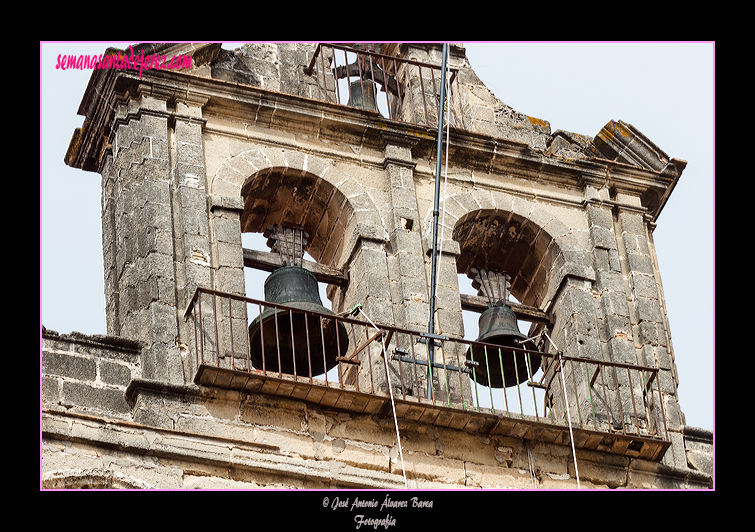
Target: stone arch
x,y
281,186
500,231
94,478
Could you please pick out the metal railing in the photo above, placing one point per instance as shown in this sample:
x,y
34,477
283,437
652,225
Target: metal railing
x,y
409,91
593,395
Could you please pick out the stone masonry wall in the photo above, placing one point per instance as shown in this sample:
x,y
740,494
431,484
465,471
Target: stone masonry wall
x,y
186,437
191,167
88,373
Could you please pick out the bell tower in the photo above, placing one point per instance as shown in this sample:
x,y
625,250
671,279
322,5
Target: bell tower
x,y
332,152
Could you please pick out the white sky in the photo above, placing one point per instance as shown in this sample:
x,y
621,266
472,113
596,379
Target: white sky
x,y
666,90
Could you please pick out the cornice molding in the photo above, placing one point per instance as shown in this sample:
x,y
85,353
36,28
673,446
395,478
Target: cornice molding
x,y
271,109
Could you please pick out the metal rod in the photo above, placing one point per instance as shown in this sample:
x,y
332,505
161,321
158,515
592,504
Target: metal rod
x,y
230,326
247,341
293,343
424,99
208,325
277,345
634,406
262,339
215,318
436,212
518,389
322,64
309,347
338,349
411,93
589,391
435,364
503,379
387,94
322,340
461,384
196,343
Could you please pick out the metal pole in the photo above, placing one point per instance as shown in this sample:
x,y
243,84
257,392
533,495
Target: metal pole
x,y
436,212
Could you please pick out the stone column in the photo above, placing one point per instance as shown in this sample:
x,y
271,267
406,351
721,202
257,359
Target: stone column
x,y
368,287
137,214
449,322
227,261
616,317
193,255
649,328
409,267
410,291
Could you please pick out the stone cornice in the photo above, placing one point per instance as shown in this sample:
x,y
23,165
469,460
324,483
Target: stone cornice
x,y
271,109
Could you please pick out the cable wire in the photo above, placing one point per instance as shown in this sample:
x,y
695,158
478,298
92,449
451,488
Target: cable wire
x,y
390,392
566,401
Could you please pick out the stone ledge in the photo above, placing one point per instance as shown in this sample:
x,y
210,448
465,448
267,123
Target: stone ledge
x,y
97,340
698,444
259,459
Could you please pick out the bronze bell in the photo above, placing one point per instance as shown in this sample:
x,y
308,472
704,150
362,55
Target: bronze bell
x,y
362,95
502,367
301,345
498,326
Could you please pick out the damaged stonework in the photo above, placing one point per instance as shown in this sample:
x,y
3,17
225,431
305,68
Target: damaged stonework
x,y
88,373
190,160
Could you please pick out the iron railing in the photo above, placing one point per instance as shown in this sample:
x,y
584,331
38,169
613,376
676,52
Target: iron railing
x,y
409,91
594,395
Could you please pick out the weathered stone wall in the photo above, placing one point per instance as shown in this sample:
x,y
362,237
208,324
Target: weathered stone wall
x,y
185,437
193,161
151,168
88,373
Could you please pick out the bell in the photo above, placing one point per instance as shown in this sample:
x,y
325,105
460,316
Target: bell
x,y
498,326
362,94
290,341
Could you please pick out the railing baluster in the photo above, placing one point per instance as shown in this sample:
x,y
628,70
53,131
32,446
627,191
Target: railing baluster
x,y
634,407
487,368
247,341
230,330
196,340
215,318
618,400
208,328
372,60
530,377
400,373
414,357
277,344
458,365
518,388
293,344
589,392
262,340
576,392
503,379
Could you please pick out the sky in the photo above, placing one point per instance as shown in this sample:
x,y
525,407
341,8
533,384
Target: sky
x,y
666,90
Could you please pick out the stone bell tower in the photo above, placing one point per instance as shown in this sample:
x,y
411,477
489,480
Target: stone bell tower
x,y
332,148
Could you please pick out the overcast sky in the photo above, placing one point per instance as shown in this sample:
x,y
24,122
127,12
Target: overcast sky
x,y
666,90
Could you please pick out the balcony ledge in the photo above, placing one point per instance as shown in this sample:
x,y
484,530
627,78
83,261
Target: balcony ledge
x,y
334,397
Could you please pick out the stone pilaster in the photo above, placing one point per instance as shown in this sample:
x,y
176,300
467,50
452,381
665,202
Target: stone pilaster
x,y
409,288
139,207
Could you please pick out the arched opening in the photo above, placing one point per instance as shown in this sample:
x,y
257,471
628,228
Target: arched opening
x,y
507,242
309,206
500,241
295,198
